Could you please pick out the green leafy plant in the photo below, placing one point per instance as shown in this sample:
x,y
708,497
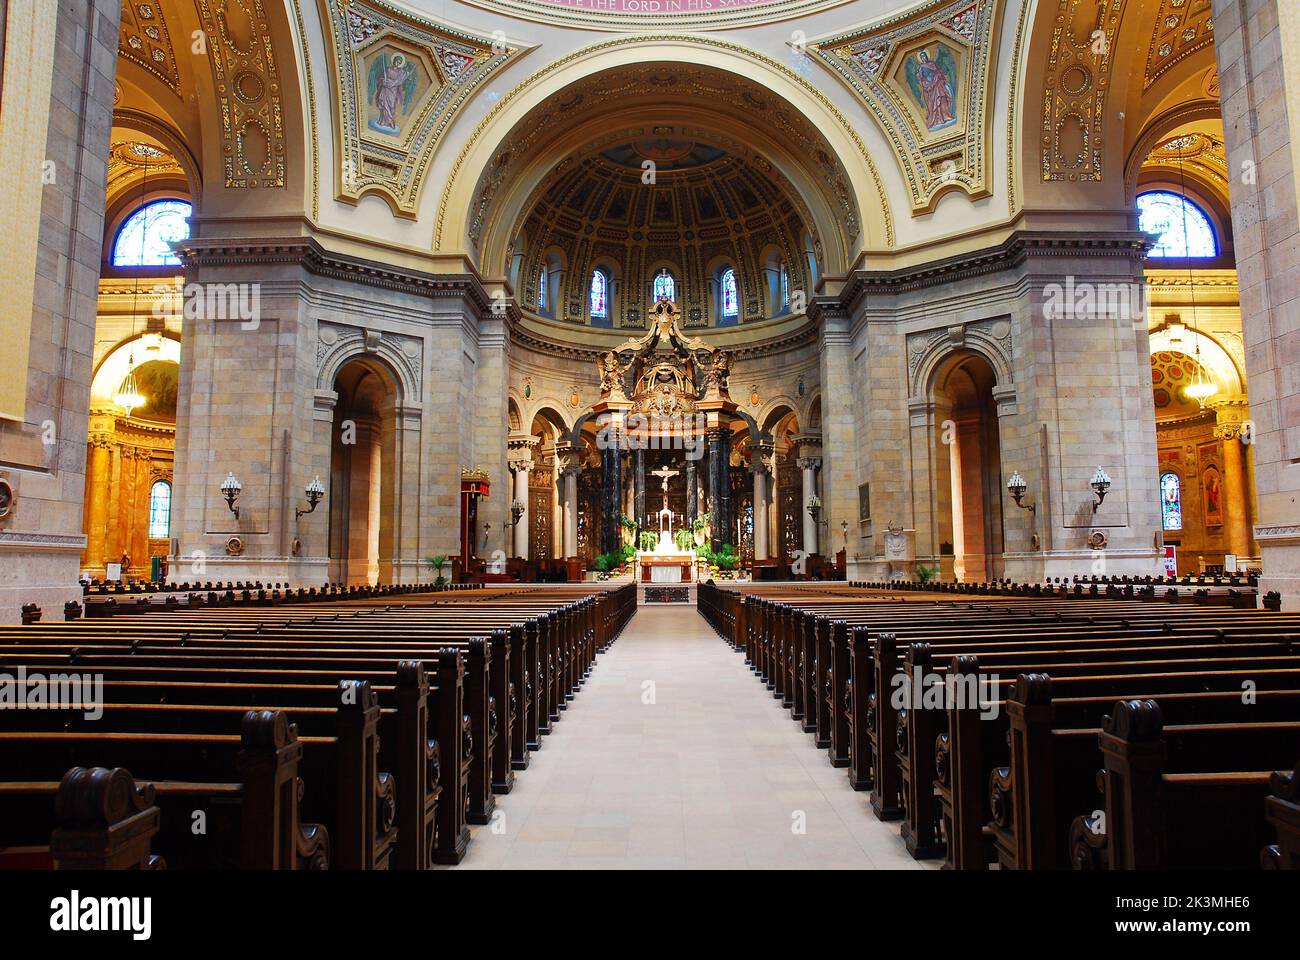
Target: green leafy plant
x,y
648,540
625,554
701,522
626,522
926,574
436,564
724,558
603,562
683,539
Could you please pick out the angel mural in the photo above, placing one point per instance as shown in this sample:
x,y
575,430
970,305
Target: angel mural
x,y
934,84
391,87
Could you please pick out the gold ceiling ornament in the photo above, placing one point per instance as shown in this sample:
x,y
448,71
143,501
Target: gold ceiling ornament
x,y
399,80
1202,153
1078,79
1181,28
924,74
144,40
246,79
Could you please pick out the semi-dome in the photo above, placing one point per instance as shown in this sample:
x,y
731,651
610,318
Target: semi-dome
x,y
664,214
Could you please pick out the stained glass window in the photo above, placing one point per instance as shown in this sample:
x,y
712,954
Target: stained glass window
x,y
541,289
160,510
665,287
599,293
785,287
730,300
144,239
1181,227
1171,502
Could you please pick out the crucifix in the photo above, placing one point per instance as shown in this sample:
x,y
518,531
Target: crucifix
x,y
665,515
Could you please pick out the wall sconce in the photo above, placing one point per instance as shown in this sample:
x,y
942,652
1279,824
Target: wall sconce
x,y
814,507
1100,485
231,488
517,509
315,490
1016,486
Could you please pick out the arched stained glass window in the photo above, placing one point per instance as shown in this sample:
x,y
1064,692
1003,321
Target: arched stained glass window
x,y
541,289
160,510
1171,502
665,287
730,298
144,239
599,294
1181,227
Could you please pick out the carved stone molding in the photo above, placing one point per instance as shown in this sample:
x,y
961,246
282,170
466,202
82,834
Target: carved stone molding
x,y
337,342
991,338
311,256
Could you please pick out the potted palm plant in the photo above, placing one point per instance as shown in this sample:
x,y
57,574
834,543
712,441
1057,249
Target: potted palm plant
x,y
436,564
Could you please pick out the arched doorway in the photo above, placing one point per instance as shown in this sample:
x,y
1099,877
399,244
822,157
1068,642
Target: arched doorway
x,y
130,460
968,470
363,474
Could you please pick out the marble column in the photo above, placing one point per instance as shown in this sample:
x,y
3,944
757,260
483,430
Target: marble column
x,y
362,502
692,493
521,468
809,467
97,508
638,485
1235,494
719,485
760,508
557,510
570,476
611,497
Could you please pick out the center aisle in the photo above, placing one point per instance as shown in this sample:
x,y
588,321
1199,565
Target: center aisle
x,y
675,756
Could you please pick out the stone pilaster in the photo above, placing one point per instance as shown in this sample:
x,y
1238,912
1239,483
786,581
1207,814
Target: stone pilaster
x,y
58,223
1257,47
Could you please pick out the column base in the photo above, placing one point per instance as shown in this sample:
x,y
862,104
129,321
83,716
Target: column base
x,y
38,573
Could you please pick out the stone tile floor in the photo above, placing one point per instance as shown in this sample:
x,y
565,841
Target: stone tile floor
x,y
674,756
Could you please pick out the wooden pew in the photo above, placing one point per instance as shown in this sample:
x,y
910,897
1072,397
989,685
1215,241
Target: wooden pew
x,y
251,778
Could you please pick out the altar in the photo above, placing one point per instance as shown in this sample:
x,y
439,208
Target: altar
x,y
667,562
672,567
